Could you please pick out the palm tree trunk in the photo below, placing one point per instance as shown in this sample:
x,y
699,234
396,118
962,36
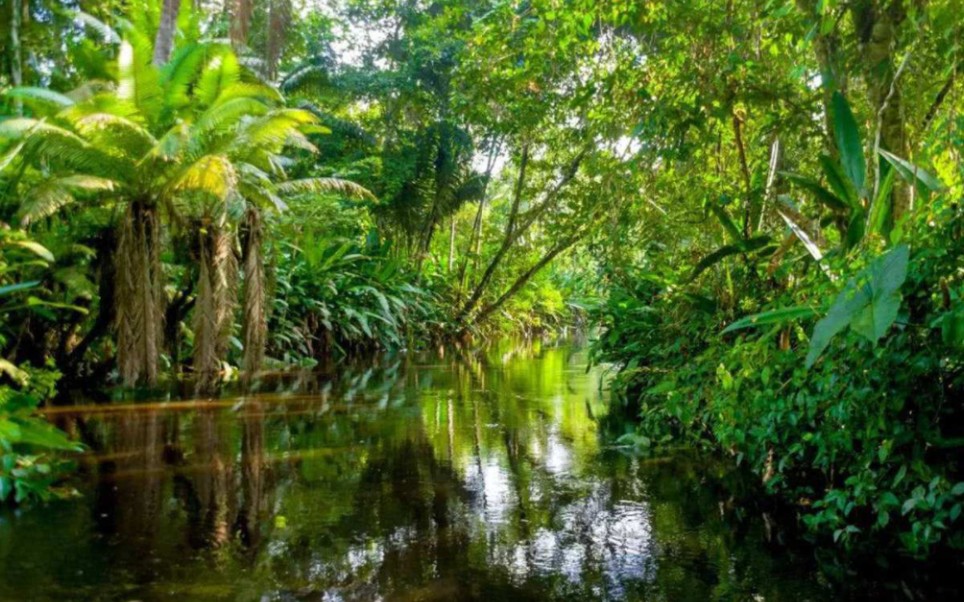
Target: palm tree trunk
x,y
164,41
255,314
214,308
139,294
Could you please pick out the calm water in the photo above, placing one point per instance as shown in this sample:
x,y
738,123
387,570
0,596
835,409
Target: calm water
x,y
415,478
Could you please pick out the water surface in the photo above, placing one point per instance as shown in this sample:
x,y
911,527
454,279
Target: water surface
x,y
433,477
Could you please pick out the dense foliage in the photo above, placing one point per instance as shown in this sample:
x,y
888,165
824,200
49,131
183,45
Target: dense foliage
x,y
757,201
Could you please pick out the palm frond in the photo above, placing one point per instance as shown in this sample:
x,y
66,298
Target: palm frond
x,y
325,185
138,80
106,33
42,95
211,174
221,72
44,200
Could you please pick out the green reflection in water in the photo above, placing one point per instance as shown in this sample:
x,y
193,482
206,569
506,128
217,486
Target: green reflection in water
x,y
447,477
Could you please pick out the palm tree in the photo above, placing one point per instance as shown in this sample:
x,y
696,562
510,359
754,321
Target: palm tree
x,y
197,136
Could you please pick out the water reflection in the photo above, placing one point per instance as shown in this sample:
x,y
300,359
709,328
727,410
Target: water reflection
x,y
469,477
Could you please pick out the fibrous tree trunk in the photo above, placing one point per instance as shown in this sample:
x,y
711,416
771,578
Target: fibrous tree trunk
x,y
164,40
214,308
255,313
139,294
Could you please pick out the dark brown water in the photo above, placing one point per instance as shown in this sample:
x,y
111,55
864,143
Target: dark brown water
x,y
415,478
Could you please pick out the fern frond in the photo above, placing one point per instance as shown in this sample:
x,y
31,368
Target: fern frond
x,y
116,131
43,95
211,174
107,33
227,114
44,200
220,73
325,185
138,80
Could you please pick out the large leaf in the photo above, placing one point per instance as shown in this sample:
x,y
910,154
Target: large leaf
x,y
868,302
911,172
19,286
36,248
880,209
39,433
753,244
832,201
727,222
44,95
773,316
848,142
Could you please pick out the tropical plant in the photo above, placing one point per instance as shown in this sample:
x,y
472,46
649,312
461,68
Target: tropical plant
x,y
198,136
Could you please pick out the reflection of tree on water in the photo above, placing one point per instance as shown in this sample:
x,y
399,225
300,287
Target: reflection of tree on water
x,y
479,478
129,493
254,487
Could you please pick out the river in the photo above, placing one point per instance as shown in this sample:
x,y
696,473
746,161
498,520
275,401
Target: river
x,y
429,476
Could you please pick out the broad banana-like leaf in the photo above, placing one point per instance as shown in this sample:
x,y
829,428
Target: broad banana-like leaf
x,y
838,181
773,316
868,302
820,193
911,172
848,142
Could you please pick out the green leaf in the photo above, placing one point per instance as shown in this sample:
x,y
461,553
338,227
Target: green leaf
x,y
838,181
36,431
42,94
773,316
868,302
848,142
911,172
19,286
36,248
880,210
727,222
725,251
820,193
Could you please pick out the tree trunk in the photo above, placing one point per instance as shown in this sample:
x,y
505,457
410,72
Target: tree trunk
x,y
255,314
475,242
214,308
877,28
510,237
239,16
16,52
279,19
451,261
164,41
139,294
522,280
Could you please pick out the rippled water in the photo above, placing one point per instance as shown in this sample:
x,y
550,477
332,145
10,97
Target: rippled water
x,y
473,477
